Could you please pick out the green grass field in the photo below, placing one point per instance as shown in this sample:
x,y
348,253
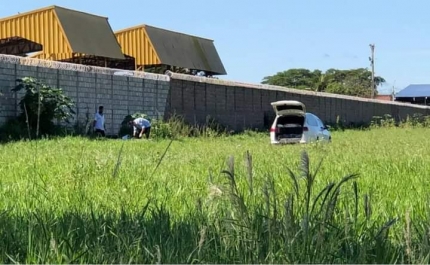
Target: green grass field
x,y
75,200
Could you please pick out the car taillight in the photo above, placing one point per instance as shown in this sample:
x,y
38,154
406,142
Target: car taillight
x,y
272,129
305,129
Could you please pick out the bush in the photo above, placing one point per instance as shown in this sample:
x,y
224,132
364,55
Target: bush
x,y
13,130
41,104
159,129
387,121
175,127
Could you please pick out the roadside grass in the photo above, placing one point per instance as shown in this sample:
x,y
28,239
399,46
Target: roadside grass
x,y
75,200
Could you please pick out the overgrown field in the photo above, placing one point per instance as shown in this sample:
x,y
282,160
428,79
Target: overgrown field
x,y
75,200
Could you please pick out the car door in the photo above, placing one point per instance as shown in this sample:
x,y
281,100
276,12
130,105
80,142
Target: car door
x,y
312,124
323,129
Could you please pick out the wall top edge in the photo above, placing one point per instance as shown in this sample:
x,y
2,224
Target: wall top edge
x,y
80,68
170,75
201,79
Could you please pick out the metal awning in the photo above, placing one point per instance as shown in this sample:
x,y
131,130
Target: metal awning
x,y
19,46
128,63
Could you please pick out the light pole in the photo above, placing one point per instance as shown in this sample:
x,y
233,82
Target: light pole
x,y
372,63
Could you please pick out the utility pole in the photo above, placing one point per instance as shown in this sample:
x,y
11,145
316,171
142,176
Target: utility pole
x,y
372,63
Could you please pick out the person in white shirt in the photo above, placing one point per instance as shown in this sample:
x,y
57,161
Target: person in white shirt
x,y
140,126
99,122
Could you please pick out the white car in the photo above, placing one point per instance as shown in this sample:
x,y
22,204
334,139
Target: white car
x,y
294,125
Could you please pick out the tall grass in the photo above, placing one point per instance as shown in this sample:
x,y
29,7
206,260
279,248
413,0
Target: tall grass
x,y
74,200
236,199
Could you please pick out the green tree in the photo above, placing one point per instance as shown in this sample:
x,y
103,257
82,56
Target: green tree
x,y
294,78
354,82
41,104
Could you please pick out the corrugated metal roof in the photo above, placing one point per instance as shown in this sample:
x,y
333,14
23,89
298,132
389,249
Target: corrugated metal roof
x,y
183,50
415,90
89,34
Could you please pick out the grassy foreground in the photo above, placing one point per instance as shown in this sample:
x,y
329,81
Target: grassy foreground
x,y
75,200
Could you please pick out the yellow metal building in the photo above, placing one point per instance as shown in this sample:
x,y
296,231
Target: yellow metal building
x,y
158,50
60,34
135,41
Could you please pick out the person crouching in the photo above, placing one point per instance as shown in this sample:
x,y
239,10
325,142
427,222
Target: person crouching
x,y
141,126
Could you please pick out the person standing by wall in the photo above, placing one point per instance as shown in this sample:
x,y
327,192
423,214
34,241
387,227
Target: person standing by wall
x,y
99,123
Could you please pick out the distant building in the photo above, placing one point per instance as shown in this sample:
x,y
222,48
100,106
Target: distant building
x,y
157,50
415,94
62,34
384,97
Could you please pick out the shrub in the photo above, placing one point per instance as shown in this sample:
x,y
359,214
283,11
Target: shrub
x,y
160,129
175,127
13,129
41,104
387,121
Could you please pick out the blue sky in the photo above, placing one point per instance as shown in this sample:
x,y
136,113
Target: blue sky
x,y
260,38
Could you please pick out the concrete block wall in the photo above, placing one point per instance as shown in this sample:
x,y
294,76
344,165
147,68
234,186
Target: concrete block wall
x,y
89,87
8,101
246,106
236,105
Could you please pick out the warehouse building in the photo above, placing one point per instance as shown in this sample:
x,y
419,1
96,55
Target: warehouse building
x,y
60,34
415,94
157,50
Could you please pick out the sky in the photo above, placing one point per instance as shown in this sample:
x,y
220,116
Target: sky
x,y
259,38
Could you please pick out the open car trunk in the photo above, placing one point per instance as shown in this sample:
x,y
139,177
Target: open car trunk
x,y
289,128
290,121
289,107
